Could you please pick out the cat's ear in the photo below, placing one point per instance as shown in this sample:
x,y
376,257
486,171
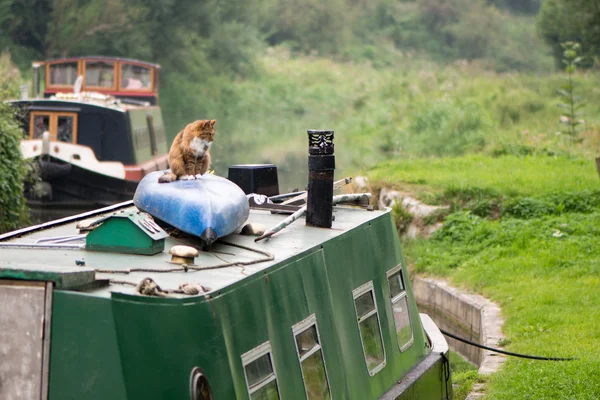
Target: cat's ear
x,y
202,124
212,122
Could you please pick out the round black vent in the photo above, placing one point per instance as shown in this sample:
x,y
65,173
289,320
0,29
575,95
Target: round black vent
x,y
199,387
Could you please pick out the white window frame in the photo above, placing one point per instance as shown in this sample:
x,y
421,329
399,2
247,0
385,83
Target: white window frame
x,y
356,293
254,355
298,329
394,300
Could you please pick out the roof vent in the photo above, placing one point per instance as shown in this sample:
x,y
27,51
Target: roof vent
x,y
183,254
255,178
321,165
127,232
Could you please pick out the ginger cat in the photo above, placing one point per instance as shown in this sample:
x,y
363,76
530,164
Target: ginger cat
x,y
189,157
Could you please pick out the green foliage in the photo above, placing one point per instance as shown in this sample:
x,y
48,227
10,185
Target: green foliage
x,y
540,260
519,6
461,227
445,128
13,208
464,374
570,103
526,208
402,218
468,30
462,383
552,204
544,272
562,21
482,202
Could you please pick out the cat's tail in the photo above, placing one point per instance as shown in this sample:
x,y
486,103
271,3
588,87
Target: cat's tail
x,y
167,177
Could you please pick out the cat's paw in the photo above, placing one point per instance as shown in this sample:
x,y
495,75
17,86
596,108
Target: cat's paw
x,y
198,176
187,177
167,178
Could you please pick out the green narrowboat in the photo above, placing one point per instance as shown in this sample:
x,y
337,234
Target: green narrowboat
x,y
103,305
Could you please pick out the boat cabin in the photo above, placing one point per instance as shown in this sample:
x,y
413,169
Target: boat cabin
x,y
119,77
131,135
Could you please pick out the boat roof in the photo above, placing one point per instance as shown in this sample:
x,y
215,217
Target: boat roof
x,y
85,99
59,246
107,58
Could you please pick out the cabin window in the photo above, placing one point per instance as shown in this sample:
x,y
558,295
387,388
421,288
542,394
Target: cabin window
x,y
135,77
63,74
100,74
260,373
40,123
368,325
61,126
308,345
399,302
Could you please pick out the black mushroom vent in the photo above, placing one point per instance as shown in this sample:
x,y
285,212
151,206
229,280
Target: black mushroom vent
x,y
255,178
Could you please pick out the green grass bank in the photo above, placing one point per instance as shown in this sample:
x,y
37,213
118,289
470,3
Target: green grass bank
x,y
534,251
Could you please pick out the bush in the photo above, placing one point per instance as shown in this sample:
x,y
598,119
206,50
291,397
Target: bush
x,y
444,128
402,218
13,206
462,227
553,204
482,202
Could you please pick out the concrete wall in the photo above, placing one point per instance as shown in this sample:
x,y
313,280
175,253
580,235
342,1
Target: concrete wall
x,y
467,315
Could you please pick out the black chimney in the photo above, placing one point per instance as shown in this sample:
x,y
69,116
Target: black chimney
x,y
321,164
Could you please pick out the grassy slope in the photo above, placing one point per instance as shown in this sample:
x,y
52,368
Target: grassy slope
x,y
414,109
544,271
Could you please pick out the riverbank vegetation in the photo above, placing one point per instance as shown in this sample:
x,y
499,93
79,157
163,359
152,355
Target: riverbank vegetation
x,y
522,231
13,209
454,102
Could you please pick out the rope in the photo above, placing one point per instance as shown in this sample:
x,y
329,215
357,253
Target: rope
x,y
446,373
508,353
185,288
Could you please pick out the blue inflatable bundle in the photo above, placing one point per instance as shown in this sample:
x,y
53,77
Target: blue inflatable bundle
x,y
210,207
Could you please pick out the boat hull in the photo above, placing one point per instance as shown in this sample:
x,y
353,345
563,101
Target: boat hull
x,y
66,189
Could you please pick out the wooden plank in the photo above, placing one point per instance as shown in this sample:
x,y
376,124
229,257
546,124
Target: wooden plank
x,y
46,340
22,310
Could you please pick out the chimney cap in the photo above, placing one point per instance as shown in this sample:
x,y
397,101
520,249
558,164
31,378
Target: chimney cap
x,y
320,141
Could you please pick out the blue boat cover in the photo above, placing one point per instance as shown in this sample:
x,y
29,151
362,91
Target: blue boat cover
x,y
210,207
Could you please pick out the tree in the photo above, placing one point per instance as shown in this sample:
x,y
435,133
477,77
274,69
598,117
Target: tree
x,y
570,103
562,21
74,22
13,206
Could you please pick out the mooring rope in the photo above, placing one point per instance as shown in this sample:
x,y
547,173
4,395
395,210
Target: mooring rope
x,y
186,288
508,353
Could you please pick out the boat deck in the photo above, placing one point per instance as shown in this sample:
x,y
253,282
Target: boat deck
x,y
213,270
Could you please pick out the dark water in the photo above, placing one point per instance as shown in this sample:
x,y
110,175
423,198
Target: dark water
x,y
470,353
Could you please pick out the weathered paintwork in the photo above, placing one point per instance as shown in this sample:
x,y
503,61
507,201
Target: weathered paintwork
x,y
114,343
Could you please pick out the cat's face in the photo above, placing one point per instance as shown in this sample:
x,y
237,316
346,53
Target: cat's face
x,y
203,129
200,136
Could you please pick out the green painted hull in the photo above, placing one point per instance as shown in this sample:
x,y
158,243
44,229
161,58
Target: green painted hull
x,y
132,347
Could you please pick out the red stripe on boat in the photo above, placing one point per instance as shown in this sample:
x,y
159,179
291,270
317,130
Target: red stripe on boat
x,y
137,172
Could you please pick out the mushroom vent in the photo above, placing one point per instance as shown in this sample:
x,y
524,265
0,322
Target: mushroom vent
x,y
320,142
255,178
